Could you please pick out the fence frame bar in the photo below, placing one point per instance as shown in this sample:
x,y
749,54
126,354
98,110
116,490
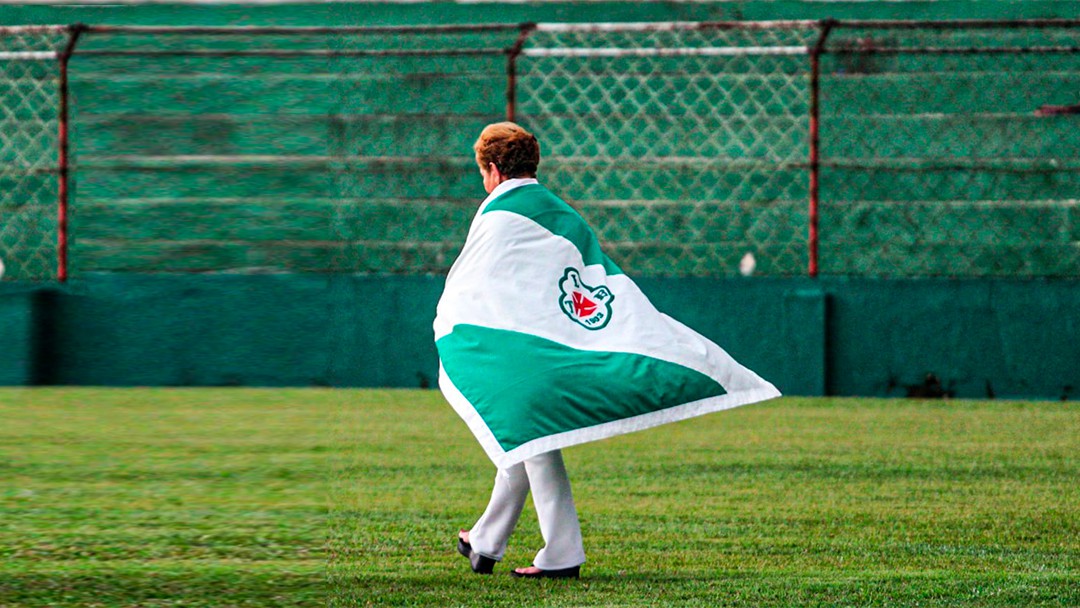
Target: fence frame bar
x,y
300,53
953,24
63,155
240,30
712,51
670,26
511,69
814,201
999,50
248,30
15,30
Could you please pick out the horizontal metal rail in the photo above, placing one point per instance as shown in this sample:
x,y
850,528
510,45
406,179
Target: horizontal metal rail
x,y
180,162
725,51
18,30
955,24
672,26
997,165
246,30
969,50
28,55
32,170
657,26
280,53
709,51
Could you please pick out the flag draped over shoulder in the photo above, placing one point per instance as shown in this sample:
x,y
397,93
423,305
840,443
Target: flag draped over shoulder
x,y
544,343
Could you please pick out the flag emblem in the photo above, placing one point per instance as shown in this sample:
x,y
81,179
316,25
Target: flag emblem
x,y
586,305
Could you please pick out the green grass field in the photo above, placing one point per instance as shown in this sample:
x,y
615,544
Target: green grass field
x,y
190,497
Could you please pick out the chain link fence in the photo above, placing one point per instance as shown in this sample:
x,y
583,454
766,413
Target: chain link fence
x,y
683,145
264,150
884,149
30,94
951,151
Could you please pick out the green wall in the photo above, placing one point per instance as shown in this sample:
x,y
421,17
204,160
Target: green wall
x,y
831,336
18,334
282,330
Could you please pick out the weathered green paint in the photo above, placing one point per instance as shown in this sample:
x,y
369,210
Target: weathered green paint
x,y
806,342
278,330
1009,338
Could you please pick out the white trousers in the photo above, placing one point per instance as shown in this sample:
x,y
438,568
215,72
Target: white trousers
x,y
546,475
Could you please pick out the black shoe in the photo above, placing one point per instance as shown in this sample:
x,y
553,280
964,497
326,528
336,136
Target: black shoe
x,y
574,572
481,564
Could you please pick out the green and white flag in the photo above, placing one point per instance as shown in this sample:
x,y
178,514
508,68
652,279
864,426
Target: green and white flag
x,y
544,343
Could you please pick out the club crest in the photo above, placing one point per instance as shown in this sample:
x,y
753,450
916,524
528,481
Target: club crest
x,y
588,306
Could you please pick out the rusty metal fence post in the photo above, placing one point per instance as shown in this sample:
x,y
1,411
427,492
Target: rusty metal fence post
x,y
63,160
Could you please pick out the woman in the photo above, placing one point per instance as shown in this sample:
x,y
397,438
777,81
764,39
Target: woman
x,y
544,343
508,157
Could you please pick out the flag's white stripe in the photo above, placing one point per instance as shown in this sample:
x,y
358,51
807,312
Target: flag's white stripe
x,y
485,285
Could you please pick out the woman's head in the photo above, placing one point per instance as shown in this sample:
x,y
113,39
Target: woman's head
x,y
504,151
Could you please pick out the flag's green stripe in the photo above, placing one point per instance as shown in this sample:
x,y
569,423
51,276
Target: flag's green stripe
x,y
552,213
525,387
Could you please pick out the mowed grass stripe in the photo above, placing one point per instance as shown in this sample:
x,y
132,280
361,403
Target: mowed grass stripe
x,y
162,497
245,497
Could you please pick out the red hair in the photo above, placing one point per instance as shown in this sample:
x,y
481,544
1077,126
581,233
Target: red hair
x,y
515,151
